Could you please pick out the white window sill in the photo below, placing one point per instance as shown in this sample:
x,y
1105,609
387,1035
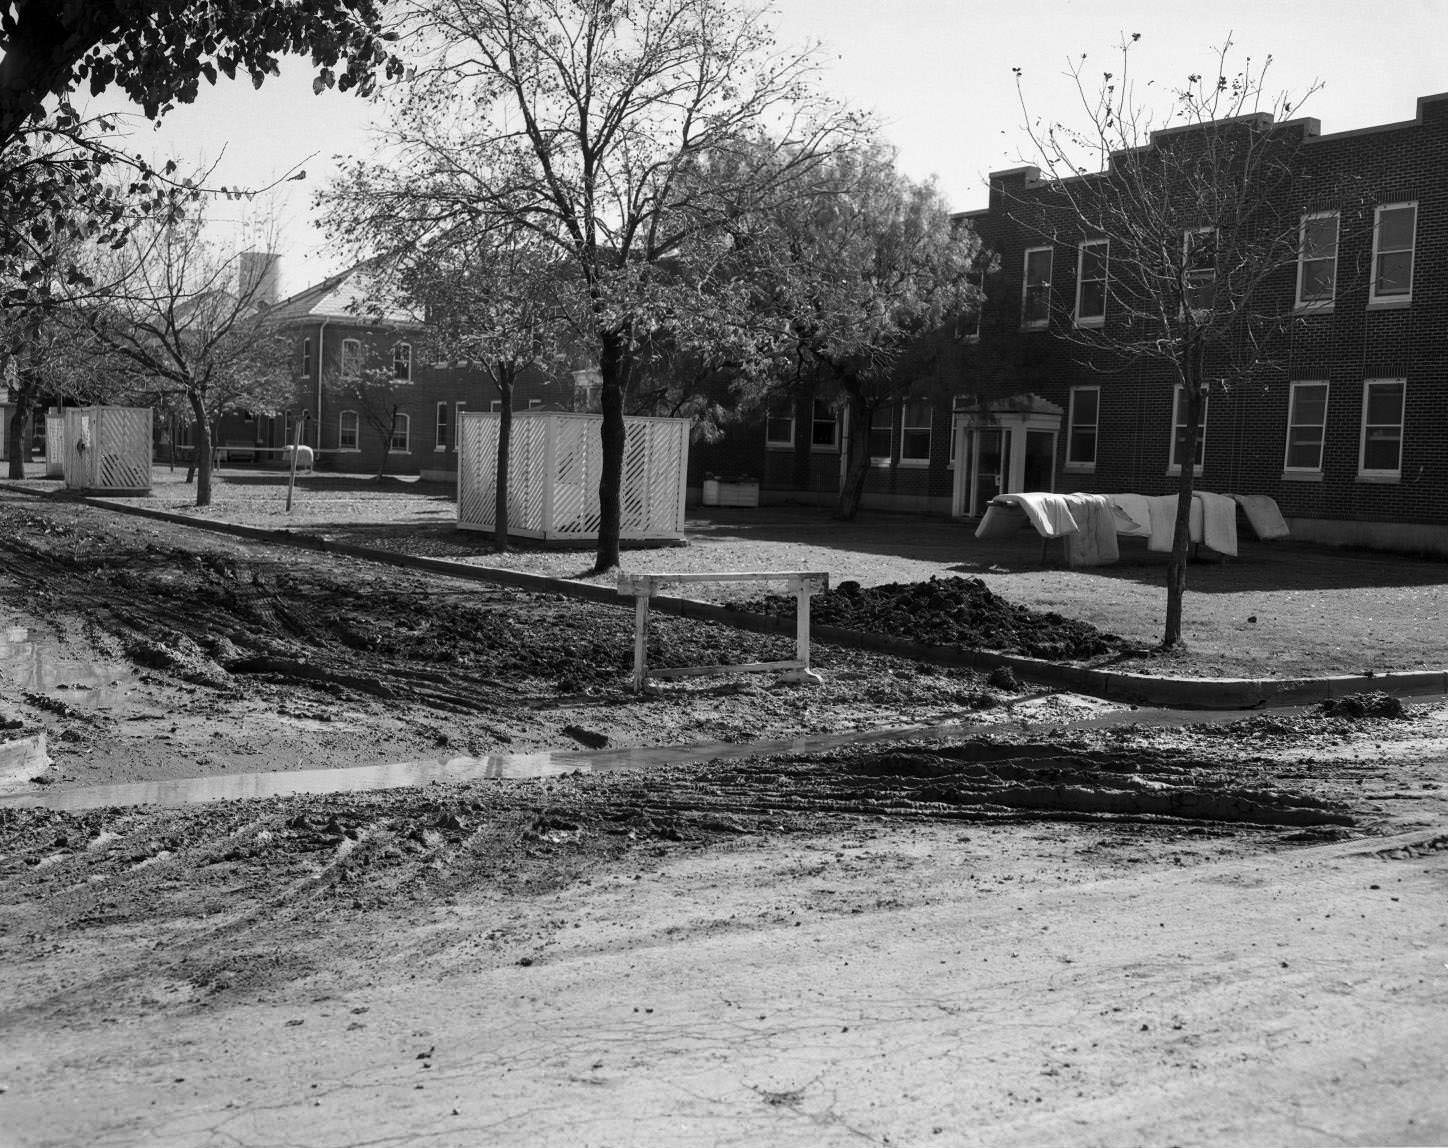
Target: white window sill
x,y
1302,476
1091,324
1326,307
1035,326
779,446
879,462
1381,477
824,449
439,449
349,449
1392,303
1175,471
915,463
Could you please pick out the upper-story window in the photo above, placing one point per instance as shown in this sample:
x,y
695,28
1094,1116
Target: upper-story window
x,y
1199,268
1393,232
1317,260
351,358
402,363
306,364
1091,283
1036,288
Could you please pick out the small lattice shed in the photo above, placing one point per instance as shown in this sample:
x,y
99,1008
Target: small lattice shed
x,y
555,460
107,450
55,444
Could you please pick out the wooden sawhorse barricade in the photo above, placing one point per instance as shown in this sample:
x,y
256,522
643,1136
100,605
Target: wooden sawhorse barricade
x,y
642,587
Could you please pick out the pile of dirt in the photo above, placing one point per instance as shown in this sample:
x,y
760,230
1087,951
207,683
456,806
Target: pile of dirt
x,y
1364,707
951,612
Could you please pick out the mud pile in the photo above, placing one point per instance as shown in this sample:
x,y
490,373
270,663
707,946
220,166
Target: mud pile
x,y
950,612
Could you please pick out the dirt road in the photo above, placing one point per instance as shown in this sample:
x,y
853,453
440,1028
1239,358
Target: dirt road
x,y
1211,934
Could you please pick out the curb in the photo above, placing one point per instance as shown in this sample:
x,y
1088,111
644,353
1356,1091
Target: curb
x,y
1138,689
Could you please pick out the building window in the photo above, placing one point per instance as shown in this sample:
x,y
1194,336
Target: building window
x,y
440,439
1381,455
1317,260
1036,289
1179,433
1393,253
824,431
534,404
915,423
1091,283
306,358
351,359
1306,428
779,427
400,443
495,405
402,363
882,428
1084,419
1199,269
347,431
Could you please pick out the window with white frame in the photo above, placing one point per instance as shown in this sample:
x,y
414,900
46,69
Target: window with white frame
x,y
495,405
824,431
882,430
1381,453
1199,268
440,438
1393,231
779,426
351,358
306,364
401,440
1083,421
1306,428
402,363
347,429
1091,283
1036,288
1317,260
916,417
1179,432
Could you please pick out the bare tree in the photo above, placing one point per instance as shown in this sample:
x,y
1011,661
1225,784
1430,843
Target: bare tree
x,y
603,129
185,318
1196,218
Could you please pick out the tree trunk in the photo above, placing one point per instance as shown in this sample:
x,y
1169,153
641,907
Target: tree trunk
x,y
202,451
505,441
1176,569
857,458
387,443
25,395
613,366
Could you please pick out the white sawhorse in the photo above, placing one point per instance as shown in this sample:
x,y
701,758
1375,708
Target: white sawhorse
x,y
642,587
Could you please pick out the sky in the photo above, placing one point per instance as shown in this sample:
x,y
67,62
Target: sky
x,y
937,75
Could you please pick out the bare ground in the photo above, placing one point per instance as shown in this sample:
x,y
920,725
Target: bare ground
x,y
1202,934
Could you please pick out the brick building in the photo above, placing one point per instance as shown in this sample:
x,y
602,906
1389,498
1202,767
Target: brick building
x,y
365,387
1346,426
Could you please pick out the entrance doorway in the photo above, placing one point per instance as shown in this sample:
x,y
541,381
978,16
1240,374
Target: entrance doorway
x,y
1003,447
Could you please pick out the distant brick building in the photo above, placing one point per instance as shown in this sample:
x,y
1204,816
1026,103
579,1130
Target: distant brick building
x,y
366,391
1349,434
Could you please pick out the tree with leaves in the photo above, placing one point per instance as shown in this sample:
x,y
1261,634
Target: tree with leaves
x,y
606,130
861,273
1195,214
185,318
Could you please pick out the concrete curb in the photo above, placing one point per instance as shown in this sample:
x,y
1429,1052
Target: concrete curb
x,y
1139,689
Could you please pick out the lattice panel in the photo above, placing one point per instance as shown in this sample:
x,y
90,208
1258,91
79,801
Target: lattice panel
x,y
54,446
107,449
554,467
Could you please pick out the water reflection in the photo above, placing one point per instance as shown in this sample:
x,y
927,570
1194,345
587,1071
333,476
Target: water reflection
x,y
35,666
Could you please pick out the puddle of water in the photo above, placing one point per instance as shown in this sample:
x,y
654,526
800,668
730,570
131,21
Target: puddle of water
x,y
35,667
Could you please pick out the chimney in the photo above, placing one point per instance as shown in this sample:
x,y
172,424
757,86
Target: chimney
x,y
259,272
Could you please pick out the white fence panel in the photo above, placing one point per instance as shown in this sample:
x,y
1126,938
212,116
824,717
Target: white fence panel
x,y
54,445
555,462
107,450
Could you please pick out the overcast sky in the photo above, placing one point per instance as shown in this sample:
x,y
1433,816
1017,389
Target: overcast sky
x,y
937,73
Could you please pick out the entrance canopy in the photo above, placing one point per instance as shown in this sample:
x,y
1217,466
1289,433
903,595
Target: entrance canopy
x,y
1002,446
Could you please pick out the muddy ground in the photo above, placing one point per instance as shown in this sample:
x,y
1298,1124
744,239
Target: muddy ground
x,y
864,945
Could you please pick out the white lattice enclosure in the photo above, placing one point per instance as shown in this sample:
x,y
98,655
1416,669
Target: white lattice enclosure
x,y
107,450
555,460
54,444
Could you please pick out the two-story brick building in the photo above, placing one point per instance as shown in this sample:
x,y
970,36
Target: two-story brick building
x,y
365,387
1346,427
